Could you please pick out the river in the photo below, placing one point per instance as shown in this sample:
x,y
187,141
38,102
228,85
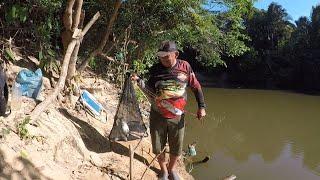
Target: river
x,y
256,134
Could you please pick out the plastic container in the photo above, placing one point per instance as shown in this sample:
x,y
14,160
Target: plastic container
x,y
16,97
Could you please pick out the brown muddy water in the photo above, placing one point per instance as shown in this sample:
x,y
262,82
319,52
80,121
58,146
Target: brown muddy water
x,y
256,134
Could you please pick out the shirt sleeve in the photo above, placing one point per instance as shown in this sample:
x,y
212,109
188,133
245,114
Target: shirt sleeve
x,y
196,88
150,85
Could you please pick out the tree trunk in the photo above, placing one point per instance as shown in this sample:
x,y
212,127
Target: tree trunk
x,y
39,108
78,22
105,38
74,56
67,17
73,62
66,35
77,17
63,74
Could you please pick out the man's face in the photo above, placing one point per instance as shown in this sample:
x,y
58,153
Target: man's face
x,y
169,60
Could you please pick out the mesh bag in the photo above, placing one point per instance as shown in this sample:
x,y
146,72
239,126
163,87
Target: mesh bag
x,y
128,124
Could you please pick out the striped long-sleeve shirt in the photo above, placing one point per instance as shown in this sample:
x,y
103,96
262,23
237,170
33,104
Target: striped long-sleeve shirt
x,y
168,86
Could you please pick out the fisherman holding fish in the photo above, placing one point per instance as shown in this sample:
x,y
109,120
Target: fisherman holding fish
x,y
167,85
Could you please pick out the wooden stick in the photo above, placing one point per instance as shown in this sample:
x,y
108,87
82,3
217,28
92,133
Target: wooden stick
x,y
131,153
140,140
148,153
152,162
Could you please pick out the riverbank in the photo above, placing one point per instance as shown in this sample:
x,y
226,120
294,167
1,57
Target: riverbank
x,y
71,144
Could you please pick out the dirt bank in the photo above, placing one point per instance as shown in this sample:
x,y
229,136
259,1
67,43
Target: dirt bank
x,y
70,144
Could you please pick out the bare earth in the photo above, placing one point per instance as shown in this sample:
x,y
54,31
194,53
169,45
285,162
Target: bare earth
x,y
70,144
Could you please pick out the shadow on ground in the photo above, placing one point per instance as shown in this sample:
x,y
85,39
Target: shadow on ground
x,y
96,142
92,139
29,171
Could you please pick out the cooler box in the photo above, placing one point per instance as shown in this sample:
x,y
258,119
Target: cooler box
x,y
91,103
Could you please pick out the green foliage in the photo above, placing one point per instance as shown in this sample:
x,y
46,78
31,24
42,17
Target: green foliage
x,y
140,95
141,66
39,20
119,56
5,131
282,54
47,58
271,29
51,4
16,13
44,30
189,24
300,37
22,129
93,63
263,43
315,26
9,54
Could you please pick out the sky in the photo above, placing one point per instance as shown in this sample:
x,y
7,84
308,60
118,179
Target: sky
x,y
295,8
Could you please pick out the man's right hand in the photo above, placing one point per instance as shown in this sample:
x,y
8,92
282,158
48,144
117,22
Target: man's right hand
x,y
134,77
201,113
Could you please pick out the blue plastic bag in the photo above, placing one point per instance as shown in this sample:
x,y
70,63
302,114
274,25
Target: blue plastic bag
x,y
30,82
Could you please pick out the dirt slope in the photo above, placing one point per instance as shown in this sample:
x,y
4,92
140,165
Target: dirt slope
x,y
70,144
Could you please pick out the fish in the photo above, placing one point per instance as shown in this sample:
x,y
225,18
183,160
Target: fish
x,y
125,128
231,177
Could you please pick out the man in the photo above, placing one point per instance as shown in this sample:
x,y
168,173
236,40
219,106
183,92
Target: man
x,y
167,87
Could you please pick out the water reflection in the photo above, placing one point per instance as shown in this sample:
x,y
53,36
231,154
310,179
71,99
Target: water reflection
x,y
257,133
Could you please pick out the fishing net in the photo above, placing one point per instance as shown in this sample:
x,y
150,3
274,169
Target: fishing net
x,y
128,124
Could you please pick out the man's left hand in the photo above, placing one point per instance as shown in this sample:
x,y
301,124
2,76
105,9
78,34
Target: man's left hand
x,y
201,113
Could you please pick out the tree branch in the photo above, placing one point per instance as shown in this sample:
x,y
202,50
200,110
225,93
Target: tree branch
x,y
67,17
74,56
78,15
43,105
99,49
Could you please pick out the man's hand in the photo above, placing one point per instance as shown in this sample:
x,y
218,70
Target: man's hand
x,y
134,77
201,113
